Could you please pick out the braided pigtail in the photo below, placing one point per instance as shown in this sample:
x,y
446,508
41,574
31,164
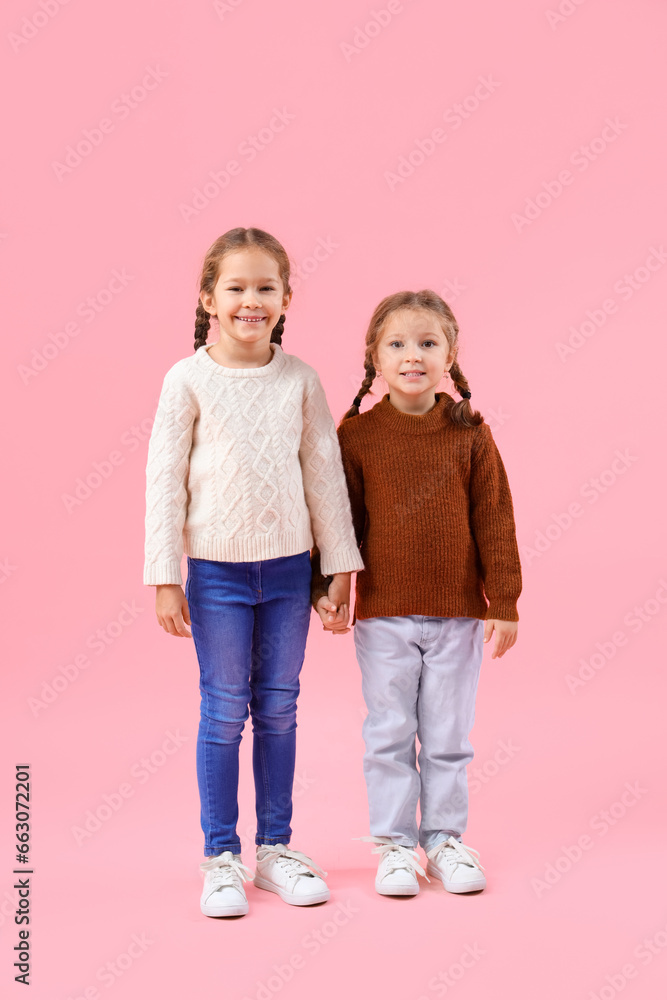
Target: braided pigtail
x,y
277,332
202,325
462,412
365,388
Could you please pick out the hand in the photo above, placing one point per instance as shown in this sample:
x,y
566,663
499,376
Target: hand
x,y
171,608
506,633
334,608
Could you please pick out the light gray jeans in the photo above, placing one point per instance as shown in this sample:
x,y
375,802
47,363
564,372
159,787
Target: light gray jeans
x,y
419,679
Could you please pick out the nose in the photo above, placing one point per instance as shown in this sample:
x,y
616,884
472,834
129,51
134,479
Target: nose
x,y
252,298
412,354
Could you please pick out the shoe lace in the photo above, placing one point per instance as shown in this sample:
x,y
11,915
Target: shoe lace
x,y
456,853
396,855
293,862
226,869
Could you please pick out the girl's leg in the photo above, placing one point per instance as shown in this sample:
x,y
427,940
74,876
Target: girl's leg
x,y
391,662
453,649
221,614
282,619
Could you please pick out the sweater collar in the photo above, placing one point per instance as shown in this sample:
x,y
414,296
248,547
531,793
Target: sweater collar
x,y
270,369
412,423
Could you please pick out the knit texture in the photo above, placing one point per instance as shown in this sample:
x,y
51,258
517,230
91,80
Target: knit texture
x,y
244,464
433,516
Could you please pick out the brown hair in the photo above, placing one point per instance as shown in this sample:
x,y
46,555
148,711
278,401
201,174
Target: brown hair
x,y
460,412
239,239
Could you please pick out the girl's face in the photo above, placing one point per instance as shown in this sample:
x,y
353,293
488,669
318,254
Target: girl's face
x,y
413,354
248,297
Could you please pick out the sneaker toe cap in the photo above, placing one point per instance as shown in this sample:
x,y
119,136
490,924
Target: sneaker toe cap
x,y
398,877
227,895
305,886
466,878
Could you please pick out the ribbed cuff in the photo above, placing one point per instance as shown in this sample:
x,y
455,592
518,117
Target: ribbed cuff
x,y
502,611
341,561
159,573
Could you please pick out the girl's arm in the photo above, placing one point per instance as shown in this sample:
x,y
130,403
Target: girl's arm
x,y
492,523
167,469
325,487
355,488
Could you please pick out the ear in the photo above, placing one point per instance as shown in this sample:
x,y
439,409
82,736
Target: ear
x,y
206,300
287,298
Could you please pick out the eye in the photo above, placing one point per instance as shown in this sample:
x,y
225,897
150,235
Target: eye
x,y
391,343
429,341
267,288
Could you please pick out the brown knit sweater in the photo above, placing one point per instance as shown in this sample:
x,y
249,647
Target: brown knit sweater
x,y
432,514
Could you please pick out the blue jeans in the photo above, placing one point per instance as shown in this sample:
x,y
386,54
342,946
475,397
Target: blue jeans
x,y
249,624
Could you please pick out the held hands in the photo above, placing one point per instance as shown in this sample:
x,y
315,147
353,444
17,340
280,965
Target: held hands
x,y
334,607
173,615
506,633
171,608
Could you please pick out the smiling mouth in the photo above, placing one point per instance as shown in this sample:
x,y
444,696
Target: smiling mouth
x,y
250,319
412,375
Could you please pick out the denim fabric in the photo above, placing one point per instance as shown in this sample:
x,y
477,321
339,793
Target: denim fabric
x,y
249,624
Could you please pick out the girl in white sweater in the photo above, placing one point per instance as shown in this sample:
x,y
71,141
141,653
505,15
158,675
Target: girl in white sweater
x,y
244,476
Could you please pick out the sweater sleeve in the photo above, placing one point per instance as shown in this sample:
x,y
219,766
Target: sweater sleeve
x,y
167,470
324,484
354,478
492,523
355,487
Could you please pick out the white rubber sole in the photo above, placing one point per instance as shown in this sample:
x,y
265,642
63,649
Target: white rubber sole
x,y
288,897
396,890
473,886
233,910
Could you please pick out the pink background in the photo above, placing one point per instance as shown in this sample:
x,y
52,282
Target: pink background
x,y
517,290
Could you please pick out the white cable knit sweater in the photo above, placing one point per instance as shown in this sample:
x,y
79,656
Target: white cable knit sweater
x,y
244,464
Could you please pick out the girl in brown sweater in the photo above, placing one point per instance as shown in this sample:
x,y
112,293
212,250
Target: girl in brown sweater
x,y
434,520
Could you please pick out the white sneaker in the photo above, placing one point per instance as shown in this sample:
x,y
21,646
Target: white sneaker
x,y
224,895
293,875
456,866
397,869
